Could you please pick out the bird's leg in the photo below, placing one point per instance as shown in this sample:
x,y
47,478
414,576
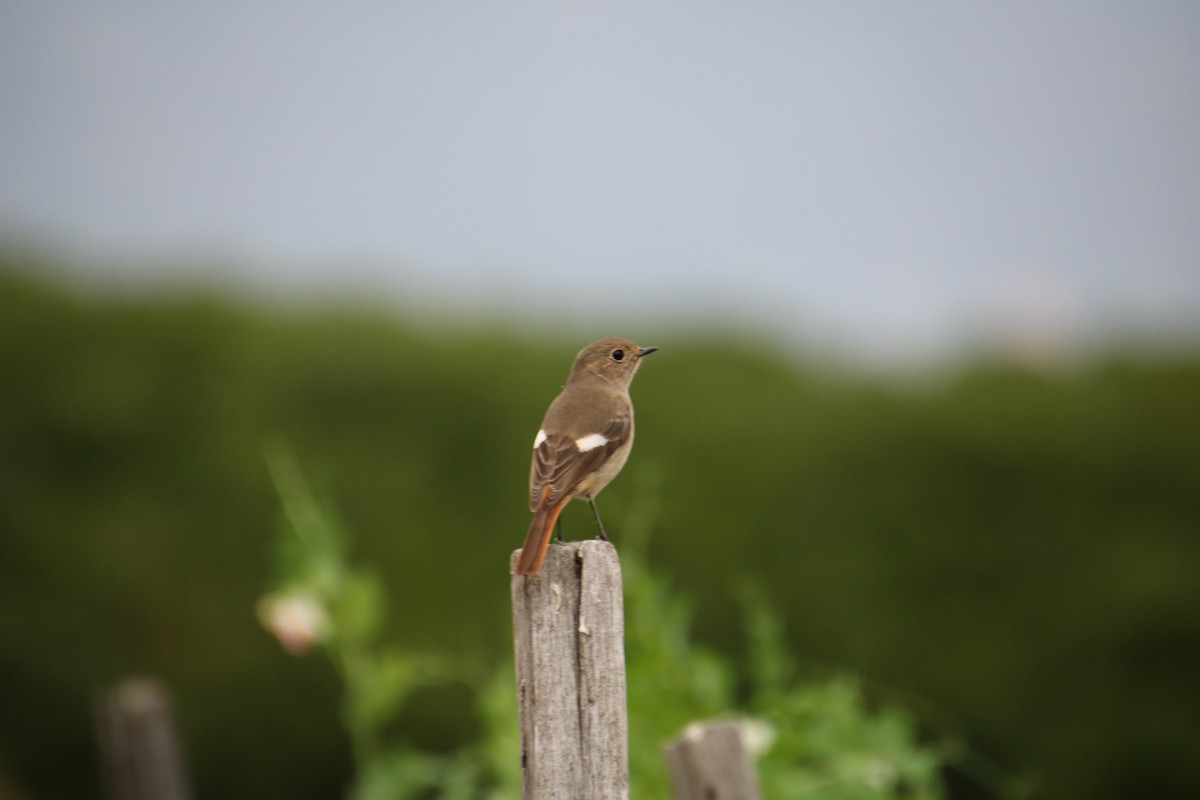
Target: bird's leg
x,y
599,525
558,529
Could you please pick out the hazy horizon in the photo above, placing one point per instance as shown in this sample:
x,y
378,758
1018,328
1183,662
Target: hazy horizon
x,y
889,182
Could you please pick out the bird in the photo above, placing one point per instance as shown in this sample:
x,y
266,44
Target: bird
x,y
583,441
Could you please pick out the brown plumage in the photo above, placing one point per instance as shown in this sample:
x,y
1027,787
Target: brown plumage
x,y
583,442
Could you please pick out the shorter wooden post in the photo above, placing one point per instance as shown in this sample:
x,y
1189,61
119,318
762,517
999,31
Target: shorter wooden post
x,y
138,745
569,645
709,761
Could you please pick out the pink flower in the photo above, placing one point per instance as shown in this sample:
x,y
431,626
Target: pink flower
x,y
296,619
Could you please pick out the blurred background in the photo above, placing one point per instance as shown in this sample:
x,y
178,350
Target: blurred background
x,y
925,281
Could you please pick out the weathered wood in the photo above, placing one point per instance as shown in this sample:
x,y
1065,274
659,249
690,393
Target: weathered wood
x,y
709,761
138,745
569,645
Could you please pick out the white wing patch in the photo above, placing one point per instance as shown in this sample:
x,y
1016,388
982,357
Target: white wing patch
x,y
590,442
539,439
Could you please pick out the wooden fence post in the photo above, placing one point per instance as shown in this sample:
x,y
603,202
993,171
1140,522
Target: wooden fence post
x,y
569,645
709,762
139,748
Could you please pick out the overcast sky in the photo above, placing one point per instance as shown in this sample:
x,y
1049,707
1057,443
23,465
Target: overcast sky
x,y
888,177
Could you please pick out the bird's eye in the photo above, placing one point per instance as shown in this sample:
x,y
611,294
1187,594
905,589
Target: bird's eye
x,y
618,354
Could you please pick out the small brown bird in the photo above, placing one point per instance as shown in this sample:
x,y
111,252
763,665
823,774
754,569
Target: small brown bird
x,y
583,442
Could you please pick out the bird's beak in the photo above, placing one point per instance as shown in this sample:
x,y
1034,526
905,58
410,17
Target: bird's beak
x,y
645,351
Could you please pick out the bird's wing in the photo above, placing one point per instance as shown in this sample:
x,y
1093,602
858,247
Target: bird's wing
x,y
562,460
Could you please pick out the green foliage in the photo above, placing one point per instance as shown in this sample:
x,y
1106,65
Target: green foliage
x,y
1011,552
828,743
818,736
320,599
821,739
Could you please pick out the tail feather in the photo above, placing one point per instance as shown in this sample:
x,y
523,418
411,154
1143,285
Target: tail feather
x,y
533,552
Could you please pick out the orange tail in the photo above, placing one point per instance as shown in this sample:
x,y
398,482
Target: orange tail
x,y
533,552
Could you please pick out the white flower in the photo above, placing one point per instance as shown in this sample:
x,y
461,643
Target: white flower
x,y
296,619
757,735
880,774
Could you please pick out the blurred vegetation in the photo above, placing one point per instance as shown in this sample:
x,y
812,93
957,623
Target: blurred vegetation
x,y
321,599
1008,553
818,739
